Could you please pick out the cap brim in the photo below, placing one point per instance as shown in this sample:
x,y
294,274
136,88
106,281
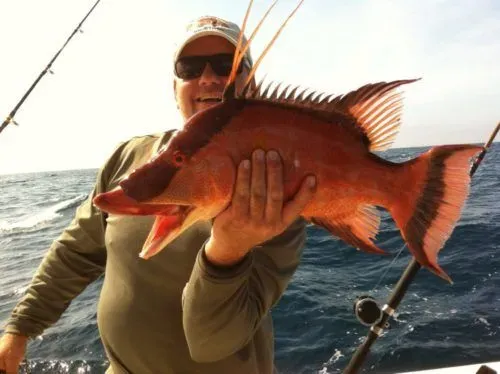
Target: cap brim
x,y
201,34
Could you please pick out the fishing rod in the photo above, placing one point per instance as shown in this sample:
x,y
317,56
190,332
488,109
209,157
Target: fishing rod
x,y
368,311
10,117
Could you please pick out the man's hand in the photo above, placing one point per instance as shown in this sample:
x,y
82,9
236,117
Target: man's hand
x,y
12,351
256,213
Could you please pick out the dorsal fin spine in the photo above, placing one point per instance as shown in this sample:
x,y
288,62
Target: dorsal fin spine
x,y
375,127
241,54
256,91
259,60
282,97
308,98
318,97
274,94
388,88
264,94
365,117
374,121
291,95
237,52
299,97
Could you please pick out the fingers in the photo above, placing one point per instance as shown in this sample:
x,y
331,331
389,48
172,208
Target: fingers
x,y
258,185
241,198
274,201
294,207
259,191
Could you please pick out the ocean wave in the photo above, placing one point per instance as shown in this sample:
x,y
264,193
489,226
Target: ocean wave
x,y
63,367
45,216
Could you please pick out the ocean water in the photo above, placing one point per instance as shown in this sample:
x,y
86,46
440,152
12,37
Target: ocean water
x,y
438,324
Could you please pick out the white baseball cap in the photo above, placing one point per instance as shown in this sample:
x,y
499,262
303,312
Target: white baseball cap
x,y
210,25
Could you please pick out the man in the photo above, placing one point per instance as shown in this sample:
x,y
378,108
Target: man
x,y
202,305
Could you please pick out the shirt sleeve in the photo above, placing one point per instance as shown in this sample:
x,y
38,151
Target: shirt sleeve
x,y
74,260
223,307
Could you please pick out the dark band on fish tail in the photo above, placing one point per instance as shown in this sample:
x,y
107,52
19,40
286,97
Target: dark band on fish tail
x,y
432,207
427,205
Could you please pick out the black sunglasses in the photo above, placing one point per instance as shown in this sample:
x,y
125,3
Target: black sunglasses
x,y
191,67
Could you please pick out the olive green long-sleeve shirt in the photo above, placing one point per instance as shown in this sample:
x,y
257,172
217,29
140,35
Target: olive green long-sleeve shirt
x,y
173,313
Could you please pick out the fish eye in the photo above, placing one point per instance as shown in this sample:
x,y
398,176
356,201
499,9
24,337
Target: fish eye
x,y
178,158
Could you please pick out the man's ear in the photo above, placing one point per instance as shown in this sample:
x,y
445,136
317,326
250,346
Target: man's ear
x,y
175,93
253,83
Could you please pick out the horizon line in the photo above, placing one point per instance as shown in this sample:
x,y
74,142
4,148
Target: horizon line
x,y
2,174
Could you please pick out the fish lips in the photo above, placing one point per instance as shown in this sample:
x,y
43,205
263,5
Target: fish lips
x,y
117,202
170,221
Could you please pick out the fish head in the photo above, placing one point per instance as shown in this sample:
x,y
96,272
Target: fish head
x,y
190,179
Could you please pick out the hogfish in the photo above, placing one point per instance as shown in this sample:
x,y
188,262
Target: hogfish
x,y
332,137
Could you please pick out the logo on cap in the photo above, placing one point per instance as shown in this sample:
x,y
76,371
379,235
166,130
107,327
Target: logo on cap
x,y
208,21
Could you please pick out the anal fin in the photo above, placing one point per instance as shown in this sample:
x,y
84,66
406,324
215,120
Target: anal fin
x,y
357,229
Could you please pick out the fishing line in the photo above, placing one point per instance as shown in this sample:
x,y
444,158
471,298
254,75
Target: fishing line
x,y
366,308
10,117
389,267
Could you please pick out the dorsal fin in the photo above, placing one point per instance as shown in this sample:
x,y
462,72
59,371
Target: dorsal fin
x,y
229,89
269,45
376,108
238,50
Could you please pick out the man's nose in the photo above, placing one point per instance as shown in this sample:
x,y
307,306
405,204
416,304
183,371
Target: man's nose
x,y
209,77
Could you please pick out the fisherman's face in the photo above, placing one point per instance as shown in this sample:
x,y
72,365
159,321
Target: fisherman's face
x,y
194,95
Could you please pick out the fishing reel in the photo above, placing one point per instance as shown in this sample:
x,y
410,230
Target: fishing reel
x,y
367,311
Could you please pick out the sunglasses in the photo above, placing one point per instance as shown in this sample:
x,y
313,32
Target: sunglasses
x,y
191,67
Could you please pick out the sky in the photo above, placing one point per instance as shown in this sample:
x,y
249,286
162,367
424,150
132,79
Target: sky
x,y
114,80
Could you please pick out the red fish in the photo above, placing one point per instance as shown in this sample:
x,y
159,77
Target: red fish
x,y
192,177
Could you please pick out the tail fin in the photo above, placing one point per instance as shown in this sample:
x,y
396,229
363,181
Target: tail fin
x,y
438,185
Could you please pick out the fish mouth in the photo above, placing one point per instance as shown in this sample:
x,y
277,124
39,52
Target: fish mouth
x,y
170,219
166,228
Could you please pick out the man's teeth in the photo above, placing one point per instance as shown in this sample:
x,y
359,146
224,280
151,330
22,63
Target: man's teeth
x,y
210,98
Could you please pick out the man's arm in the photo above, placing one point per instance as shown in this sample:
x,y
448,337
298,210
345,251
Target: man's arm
x,y
73,261
224,306
232,287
